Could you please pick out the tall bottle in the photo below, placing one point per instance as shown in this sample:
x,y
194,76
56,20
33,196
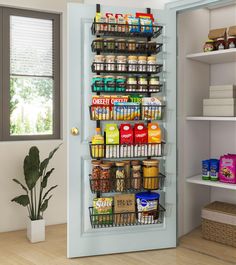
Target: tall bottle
x,y
98,142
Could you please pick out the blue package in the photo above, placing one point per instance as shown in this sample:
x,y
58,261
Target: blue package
x,y
214,169
206,169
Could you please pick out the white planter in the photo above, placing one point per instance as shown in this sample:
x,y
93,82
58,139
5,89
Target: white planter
x,y
36,230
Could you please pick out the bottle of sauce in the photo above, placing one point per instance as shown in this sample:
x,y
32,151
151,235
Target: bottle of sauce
x,y
98,144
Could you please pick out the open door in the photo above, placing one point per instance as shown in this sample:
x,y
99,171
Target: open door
x,y
85,239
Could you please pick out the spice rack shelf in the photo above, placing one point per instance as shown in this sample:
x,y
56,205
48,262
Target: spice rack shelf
x,y
126,68
121,47
125,30
114,151
126,184
126,219
126,113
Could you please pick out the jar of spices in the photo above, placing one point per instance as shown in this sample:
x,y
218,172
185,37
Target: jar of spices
x,y
131,84
98,83
231,42
110,63
132,63
110,44
153,84
131,45
209,46
127,174
120,83
121,63
96,174
141,46
142,83
152,45
99,62
221,44
105,184
150,174
121,45
98,44
136,180
142,61
151,64
120,176
110,83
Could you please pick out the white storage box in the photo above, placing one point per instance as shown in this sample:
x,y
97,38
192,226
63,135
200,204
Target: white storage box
x,y
219,107
227,91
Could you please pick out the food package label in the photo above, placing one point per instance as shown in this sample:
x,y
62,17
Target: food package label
x,y
112,134
154,133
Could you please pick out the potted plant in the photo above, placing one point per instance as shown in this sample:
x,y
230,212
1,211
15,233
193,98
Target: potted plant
x,y
36,198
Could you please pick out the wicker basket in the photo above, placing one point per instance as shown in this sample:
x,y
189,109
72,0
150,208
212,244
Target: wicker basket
x,y
219,223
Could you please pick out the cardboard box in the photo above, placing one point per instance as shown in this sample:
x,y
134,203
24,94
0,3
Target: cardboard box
x,y
217,33
219,107
226,91
232,31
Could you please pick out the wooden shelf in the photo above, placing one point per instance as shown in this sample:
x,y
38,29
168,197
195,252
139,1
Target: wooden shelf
x,y
215,57
198,180
209,118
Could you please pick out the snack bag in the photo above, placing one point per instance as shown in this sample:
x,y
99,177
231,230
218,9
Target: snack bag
x,y
154,133
227,170
146,25
134,24
112,134
126,111
102,207
151,109
126,134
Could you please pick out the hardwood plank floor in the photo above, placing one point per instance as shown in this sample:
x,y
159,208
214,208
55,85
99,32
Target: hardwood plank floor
x,y
16,250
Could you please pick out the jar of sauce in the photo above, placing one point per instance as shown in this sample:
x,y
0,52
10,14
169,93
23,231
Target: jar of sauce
x,y
221,44
209,46
121,44
131,45
142,61
150,174
120,83
231,42
151,64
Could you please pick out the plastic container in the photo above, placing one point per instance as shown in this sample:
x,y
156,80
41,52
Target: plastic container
x,y
136,175
120,176
96,175
150,174
225,91
147,206
219,107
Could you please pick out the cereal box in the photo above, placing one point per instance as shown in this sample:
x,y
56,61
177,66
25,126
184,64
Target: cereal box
x,y
102,210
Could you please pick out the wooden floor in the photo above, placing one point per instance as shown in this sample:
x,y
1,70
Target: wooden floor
x,y
193,250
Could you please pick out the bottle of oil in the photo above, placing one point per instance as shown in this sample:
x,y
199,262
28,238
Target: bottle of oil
x,y
98,144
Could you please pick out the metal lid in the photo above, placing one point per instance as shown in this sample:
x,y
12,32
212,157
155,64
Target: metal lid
x,y
120,164
151,162
135,163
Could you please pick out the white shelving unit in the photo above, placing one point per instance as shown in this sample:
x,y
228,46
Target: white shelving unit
x,y
198,180
215,57
205,118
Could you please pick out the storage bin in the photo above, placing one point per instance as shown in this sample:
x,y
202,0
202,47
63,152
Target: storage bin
x,y
227,91
219,107
219,223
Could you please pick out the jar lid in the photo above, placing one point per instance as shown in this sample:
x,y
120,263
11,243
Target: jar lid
x,y
109,76
131,40
110,163
121,40
110,56
141,42
148,196
99,39
143,58
231,37
96,162
98,76
220,38
121,57
131,57
105,166
151,162
135,163
121,77
110,39
126,162
151,42
211,41
120,164
99,56
151,58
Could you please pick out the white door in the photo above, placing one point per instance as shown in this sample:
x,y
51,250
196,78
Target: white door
x,y
83,240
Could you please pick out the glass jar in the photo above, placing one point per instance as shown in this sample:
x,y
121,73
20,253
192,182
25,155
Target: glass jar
x,y
120,176
110,44
132,63
142,61
110,63
151,64
154,83
105,184
110,83
121,45
112,173
150,174
127,174
209,46
231,42
136,177
120,83
96,175
142,83
98,83
220,44
98,44
152,45
131,45
131,84
121,63
141,46
99,62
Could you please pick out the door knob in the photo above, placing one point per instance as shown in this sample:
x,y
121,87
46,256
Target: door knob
x,y
74,131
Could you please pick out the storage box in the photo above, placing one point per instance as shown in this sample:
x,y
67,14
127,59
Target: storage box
x,y
227,91
219,107
219,223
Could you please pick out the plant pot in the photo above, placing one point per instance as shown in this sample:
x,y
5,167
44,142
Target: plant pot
x,y
36,230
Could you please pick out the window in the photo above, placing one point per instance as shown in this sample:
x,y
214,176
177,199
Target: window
x,y
30,74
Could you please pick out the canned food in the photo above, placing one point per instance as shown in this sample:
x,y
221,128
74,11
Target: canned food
x,y
141,46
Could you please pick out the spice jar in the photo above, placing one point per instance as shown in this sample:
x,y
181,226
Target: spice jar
x,y
110,44
98,44
121,45
98,83
131,84
142,83
131,45
231,42
96,174
152,46
99,62
132,63
141,46
110,83
127,174
120,83
120,176
105,184
110,63
153,83
151,64
142,61
136,180
220,44
121,63
150,174
209,46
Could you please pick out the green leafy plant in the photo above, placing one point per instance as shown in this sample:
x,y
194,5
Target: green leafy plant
x,y
36,178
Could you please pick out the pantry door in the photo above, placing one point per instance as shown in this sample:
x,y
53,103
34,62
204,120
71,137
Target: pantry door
x,y
83,240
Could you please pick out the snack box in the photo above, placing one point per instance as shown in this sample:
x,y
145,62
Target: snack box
x,y
140,134
103,207
154,133
151,109
126,111
227,170
112,134
126,134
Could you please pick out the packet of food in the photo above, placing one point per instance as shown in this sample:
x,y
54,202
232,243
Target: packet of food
x,y
102,210
112,134
100,109
126,111
151,109
134,24
146,25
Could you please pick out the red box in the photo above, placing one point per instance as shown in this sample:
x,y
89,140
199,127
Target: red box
x,y
140,134
126,134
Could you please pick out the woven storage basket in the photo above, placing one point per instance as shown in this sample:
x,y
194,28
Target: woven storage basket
x,y
219,223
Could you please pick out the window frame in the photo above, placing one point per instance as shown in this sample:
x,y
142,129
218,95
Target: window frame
x,y
5,65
